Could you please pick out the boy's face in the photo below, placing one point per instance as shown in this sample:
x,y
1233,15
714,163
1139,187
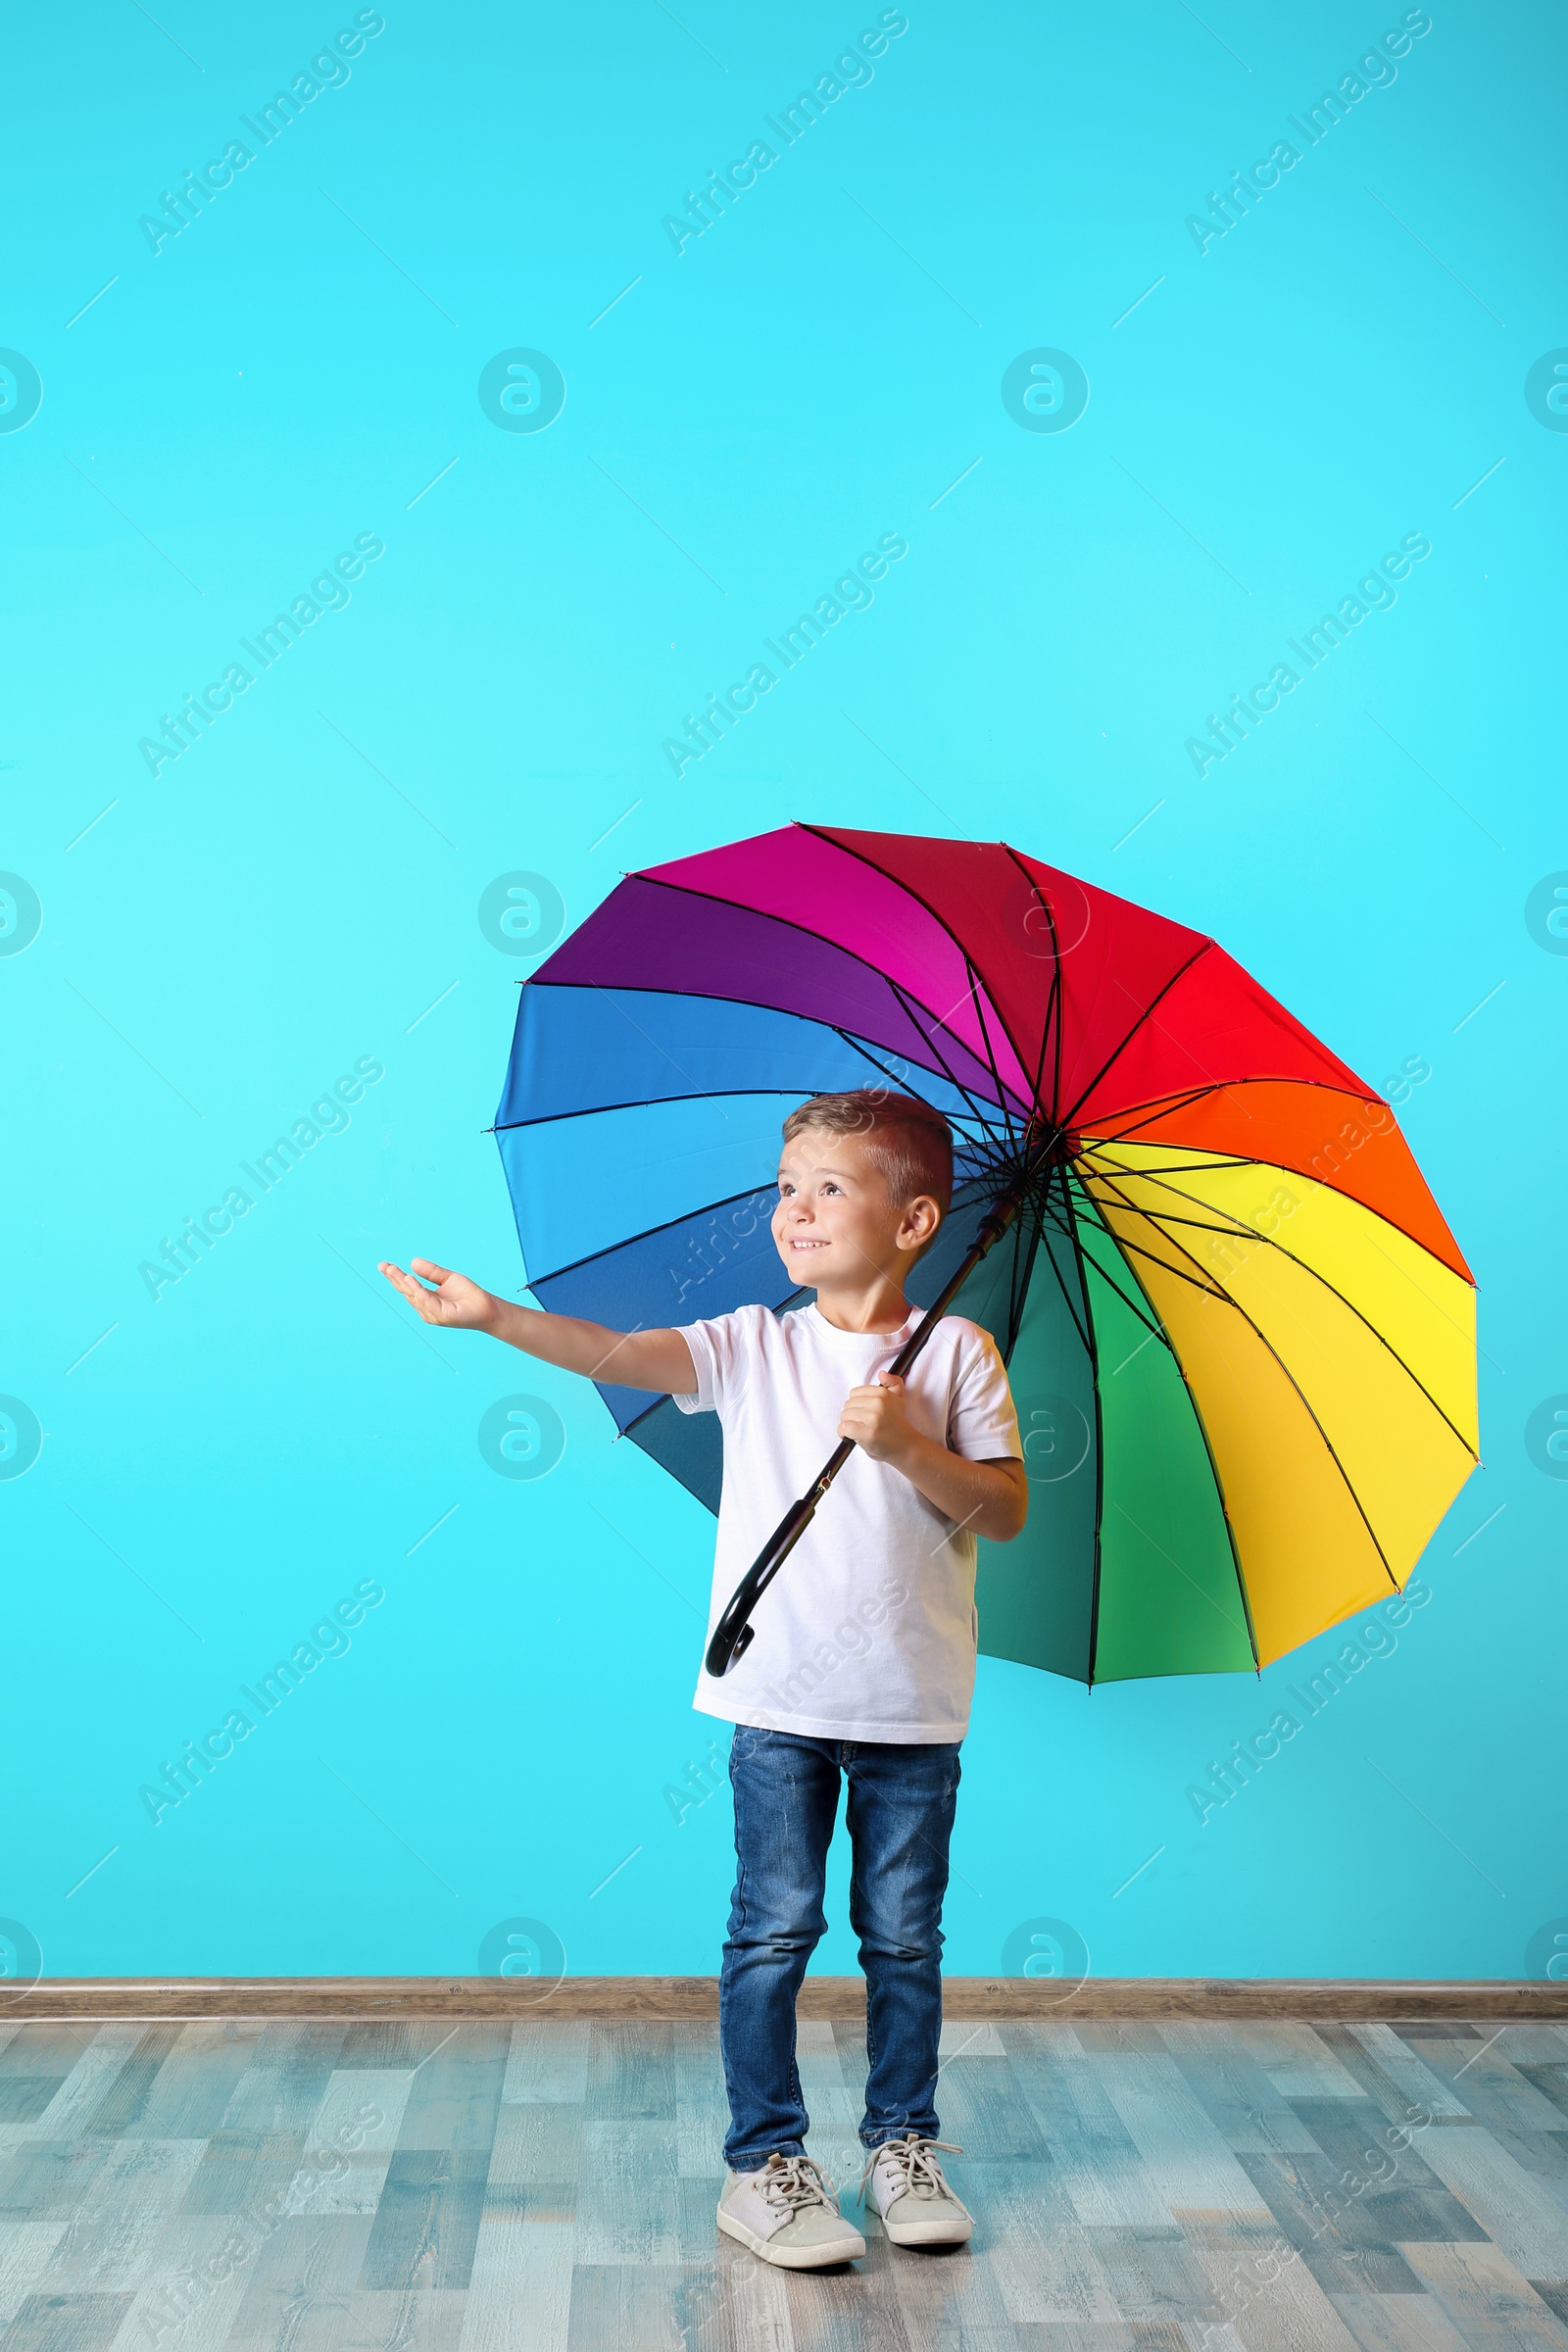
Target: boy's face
x,y
837,1226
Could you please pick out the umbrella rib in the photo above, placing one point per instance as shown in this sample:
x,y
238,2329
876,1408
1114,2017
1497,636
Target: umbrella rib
x,y
1053,995
1242,1594
1223,1615
1233,1086
1203,1431
594,1110
1161,1218
1164,1104
975,1109
1051,1031
1018,1281
1066,1296
1198,1280
979,1179
1161,1105
785,923
1099,1447
637,1419
1067,1119
1089,1156
898,883
670,1225
861,1046
1154,1104
707,1209
658,1405
1129,1247
1106,1144
1142,1307
1155,1331
985,1039
1069,1301
1363,1098
1022,1278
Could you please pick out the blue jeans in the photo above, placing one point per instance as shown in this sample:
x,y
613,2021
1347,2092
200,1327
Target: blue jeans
x,y
900,1814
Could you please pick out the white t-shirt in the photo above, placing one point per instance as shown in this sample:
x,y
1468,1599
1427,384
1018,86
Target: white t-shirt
x,y
869,1631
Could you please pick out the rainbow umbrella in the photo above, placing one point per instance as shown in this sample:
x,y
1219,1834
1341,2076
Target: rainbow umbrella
x,y
1240,1335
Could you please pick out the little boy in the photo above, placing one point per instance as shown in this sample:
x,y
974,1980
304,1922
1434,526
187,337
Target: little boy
x,y
864,1659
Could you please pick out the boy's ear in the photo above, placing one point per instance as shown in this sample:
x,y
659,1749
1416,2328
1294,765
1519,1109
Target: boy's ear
x,y
921,1217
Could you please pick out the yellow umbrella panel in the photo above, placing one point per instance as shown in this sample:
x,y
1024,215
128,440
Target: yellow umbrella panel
x,y
1329,1357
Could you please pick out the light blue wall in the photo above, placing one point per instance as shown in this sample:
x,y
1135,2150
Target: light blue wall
x,y
298,892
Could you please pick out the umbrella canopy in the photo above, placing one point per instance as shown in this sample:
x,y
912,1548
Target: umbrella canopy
x,y
1240,1336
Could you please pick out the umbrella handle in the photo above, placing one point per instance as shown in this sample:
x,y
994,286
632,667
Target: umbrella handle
x,y
734,1630
733,1634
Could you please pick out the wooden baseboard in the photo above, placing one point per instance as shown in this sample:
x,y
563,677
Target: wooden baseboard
x,y
696,1998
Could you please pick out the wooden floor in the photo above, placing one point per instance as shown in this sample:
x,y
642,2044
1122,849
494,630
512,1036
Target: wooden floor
x,y
549,2187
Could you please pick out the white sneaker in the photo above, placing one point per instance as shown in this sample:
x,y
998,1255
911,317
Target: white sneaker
x,y
903,2185
788,2213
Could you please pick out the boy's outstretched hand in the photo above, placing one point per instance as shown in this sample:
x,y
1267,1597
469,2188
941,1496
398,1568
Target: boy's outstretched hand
x,y
455,1302
634,1360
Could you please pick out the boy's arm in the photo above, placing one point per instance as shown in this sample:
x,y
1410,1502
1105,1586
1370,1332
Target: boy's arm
x,y
632,1359
991,1497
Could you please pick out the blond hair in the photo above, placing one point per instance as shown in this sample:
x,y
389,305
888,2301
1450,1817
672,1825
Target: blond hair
x,y
910,1142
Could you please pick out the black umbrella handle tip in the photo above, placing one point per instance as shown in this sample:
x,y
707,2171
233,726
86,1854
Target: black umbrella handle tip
x,y
722,1652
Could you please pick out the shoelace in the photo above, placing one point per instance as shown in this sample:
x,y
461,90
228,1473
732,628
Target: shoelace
x,y
923,2175
793,2182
